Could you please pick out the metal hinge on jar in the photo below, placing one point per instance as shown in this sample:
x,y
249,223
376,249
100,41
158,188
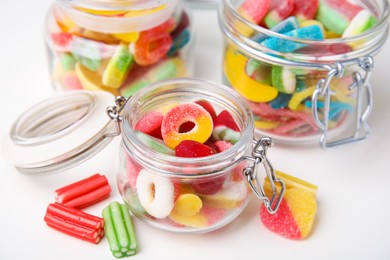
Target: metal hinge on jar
x,y
361,84
259,156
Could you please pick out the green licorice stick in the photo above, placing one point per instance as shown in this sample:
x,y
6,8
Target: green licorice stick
x,y
119,230
130,230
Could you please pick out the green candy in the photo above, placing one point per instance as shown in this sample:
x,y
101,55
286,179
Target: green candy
x,y
283,79
87,53
68,62
119,230
154,143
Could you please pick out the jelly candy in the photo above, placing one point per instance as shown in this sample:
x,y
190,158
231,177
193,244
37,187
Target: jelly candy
x,y
305,9
279,10
295,216
283,79
84,193
189,112
192,149
229,197
151,124
188,204
254,10
87,53
289,24
118,67
360,23
88,79
225,128
208,187
156,193
119,229
206,105
154,143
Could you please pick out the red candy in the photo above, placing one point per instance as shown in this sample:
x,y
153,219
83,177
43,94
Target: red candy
x,y
305,9
279,10
206,187
254,10
84,193
74,222
61,41
222,145
209,108
153,44
150,124
225,119
191,149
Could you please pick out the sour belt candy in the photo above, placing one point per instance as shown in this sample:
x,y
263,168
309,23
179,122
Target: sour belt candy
x,y
119,229
74,222
84,193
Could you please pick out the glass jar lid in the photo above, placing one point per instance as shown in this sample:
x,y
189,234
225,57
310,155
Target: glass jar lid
x,y
60,132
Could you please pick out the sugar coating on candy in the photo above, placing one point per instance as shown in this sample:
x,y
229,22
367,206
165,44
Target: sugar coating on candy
x,y
225,128
295,216
223,145
178,115
360,23
119,229
206,105
150,122
254,10
283,79
305,9
156,193
192,149
279,10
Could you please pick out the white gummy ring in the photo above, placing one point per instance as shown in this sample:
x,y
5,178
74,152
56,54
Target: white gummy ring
x,y
156,193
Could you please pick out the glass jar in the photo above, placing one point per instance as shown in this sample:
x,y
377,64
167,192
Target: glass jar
x,y
65,130
217,182
117,46
302,91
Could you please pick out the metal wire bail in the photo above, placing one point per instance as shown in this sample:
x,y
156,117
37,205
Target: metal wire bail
x,y
361,84
114,111
259,156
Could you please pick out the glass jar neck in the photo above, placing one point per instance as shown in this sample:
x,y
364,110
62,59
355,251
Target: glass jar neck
x,y
186,90
240,32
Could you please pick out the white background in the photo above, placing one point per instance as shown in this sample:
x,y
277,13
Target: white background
x,y
353,220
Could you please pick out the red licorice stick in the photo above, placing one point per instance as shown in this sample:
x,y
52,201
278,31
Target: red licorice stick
x,y
75,222
85,192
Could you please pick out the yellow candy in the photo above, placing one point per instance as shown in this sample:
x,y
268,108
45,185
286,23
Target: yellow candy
x,y
230,197
101,12
197,220
127,37
90,80
290,182
303,206
252,90
188,205
331,35
307,23
298,97
265,125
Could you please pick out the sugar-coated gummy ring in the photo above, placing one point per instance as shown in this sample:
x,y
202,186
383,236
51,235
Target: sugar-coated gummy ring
x,y
156,193
188,112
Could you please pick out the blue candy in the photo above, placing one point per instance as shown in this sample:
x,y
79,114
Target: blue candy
x,y
334,109
281,101
284,26
179,42
312,32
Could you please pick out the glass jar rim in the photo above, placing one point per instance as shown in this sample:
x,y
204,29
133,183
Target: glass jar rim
x,y
206,164
257,50
122,5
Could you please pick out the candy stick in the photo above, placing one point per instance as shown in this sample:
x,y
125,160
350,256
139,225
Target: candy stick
x,y
119,230
154,143
74,222
84,193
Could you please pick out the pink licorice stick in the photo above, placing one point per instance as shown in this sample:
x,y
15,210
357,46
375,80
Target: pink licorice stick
x,y
84,193
75,222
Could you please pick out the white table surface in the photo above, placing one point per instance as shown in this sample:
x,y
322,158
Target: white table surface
x,y
353,220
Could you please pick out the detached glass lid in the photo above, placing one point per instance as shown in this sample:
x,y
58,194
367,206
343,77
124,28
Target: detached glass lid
x,y
60,132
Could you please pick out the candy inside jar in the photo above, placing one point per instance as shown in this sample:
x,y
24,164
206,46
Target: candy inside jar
x,y
118,47
186,147
304,66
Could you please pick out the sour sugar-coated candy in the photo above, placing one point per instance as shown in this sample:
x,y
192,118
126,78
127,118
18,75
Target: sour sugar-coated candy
x,y
74,222
119,230
335,15
283,79
360,23
225,128
178,115
305,9
84,193
156,193
89,80
206,105
279,10
150,124
87,53
313,32
118,67
254,10
295,216
192,149
289,24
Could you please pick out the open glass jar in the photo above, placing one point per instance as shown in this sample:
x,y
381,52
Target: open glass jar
x,y
75,127
117,46
303,90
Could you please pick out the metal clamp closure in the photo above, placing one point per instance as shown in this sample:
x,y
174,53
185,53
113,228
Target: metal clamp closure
x,y
360,84
259,156
114,112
